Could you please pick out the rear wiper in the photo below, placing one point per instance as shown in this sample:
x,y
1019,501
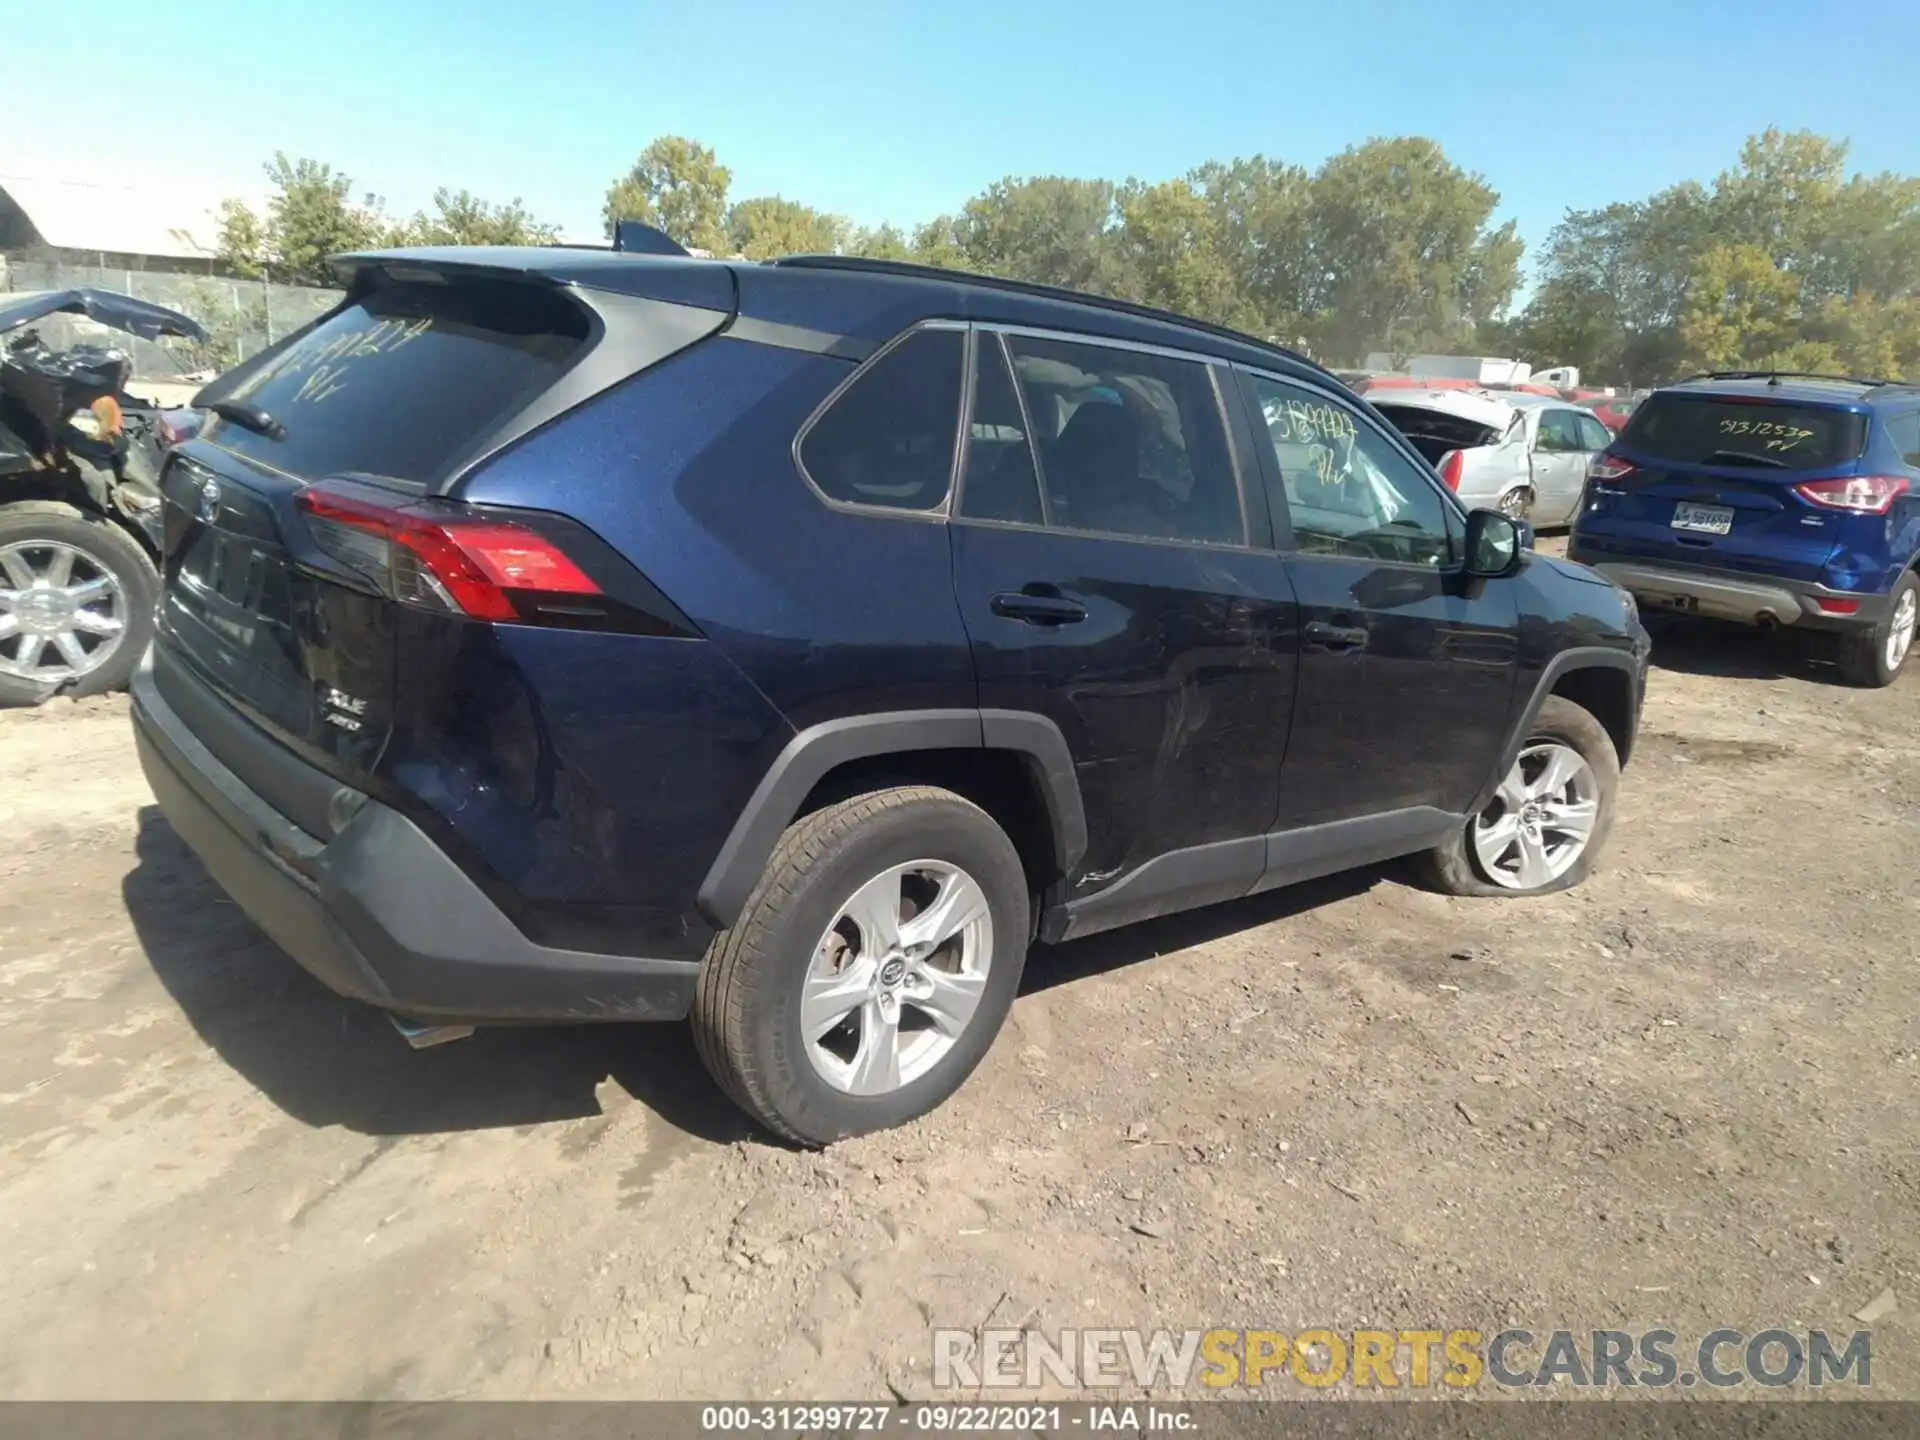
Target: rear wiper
x,y
1742,457
251,416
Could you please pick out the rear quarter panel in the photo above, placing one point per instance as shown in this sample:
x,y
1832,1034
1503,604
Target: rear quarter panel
x,y
1490,471
635,755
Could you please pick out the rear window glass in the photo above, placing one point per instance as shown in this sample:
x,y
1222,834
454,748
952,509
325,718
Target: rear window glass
x,y
406,381
1765,435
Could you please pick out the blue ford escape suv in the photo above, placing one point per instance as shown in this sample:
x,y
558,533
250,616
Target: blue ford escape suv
x,y
564,635
1769,499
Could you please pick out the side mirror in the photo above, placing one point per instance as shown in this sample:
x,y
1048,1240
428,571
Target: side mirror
x,y
1496,544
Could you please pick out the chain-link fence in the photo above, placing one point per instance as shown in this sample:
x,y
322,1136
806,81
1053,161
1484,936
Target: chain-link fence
x,y
241,317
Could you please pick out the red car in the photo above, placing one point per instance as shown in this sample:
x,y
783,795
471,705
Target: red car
x,y
1612,411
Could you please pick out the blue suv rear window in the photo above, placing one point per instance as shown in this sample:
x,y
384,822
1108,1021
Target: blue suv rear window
x,y
407,379
1765,434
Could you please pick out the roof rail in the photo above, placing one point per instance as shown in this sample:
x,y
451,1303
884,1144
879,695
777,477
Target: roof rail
x,y
1774,377
912,270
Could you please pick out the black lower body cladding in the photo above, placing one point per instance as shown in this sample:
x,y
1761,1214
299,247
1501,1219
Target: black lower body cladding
x,y
379,912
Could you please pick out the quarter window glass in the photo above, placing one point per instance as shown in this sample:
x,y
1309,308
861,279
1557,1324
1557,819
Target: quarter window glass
x,y
1349,491
1000,482
888,438
1129,443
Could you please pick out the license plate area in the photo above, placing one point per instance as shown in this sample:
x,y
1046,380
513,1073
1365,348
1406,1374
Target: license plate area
x,y
1706,519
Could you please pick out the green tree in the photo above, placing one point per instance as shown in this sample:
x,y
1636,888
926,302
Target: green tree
x,y
1263,232
242,239
311,215
460,217
1612,282
882,242
1743,312
1169,250
770,225
942,242
1401,234
1642,289
1048,229
679,185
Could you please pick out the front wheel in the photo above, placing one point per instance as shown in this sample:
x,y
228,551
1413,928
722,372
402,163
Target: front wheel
x,y
1875,656
871,967
1547,820
77,599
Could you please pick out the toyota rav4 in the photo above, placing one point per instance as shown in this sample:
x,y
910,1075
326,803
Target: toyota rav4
x,y
556,635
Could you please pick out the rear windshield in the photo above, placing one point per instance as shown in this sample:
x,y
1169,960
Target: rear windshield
x,y
1763,434
406,381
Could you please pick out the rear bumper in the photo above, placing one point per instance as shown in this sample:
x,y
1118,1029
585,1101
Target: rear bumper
x,y
1749,599
378,912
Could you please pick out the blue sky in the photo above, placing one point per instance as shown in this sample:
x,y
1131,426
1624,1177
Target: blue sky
x,y
900,111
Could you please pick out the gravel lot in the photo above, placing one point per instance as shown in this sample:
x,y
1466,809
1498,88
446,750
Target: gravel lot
x,y
1682,1094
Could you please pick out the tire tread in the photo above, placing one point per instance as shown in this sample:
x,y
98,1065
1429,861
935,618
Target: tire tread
x,y
728,977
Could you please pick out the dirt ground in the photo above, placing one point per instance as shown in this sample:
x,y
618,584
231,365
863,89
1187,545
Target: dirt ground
x,y
1682,1094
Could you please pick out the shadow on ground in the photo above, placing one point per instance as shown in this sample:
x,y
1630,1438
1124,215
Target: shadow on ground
x,y
1740,652
329,1061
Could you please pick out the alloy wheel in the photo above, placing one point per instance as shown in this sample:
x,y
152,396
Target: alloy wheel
x,y
62,612
1537,825
1900,632
896,978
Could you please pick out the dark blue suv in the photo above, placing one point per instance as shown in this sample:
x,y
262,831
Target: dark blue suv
x,y
567,635
1769,499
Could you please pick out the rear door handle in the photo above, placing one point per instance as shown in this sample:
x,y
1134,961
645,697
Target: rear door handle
x,y
1336,637
1038,609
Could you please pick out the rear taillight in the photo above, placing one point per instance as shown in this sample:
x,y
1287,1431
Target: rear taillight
x,y
443,557
1605,468
1862,494
1452,464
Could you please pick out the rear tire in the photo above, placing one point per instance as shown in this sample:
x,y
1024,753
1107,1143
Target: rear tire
x,y
32,533
1468,863
1873,658
771,979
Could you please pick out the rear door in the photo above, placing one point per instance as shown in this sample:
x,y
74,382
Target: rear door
x,y
1712,480
1104,570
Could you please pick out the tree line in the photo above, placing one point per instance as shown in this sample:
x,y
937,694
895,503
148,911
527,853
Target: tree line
x,y
1784,260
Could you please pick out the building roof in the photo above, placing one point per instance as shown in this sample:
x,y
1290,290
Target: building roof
x,y
115,217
